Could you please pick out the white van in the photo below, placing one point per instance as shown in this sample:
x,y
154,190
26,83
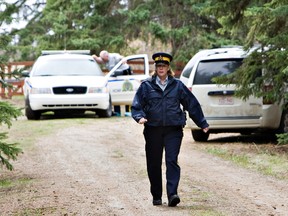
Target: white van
x,y
223,111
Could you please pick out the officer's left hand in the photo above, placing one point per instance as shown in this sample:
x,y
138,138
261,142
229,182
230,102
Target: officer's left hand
x,y
205,130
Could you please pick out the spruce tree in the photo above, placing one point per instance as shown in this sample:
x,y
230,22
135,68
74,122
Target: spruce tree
x,y
8,151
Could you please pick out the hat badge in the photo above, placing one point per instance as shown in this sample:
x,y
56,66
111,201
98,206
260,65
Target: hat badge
x,y
160,58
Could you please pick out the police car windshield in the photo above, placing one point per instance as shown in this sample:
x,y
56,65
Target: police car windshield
x,y
209,69
67,67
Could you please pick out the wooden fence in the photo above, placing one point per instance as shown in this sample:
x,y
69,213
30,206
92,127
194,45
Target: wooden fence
x,y
17,84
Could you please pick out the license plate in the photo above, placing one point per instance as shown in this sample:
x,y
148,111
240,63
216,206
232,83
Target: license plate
x,y
226,100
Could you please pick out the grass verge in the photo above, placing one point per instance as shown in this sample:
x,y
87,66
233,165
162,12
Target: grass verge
x,y
268,159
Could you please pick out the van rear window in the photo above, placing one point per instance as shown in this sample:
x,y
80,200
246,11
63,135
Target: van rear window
x,y
208,69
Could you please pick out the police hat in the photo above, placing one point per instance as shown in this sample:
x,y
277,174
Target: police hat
x,y
161,57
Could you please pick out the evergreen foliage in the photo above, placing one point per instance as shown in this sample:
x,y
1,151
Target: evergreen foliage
x,y
96,25
8,151
262,24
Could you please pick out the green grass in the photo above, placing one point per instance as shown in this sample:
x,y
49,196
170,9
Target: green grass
x,y
37,211
4,183
28,132
9,183
242,160
265,162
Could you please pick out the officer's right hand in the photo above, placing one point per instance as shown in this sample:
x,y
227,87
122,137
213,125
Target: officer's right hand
x,y
142,121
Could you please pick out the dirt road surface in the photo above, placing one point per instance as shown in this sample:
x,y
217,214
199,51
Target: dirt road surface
x,y
98,168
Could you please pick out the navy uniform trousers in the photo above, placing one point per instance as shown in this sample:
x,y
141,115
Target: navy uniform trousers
x,y
157,139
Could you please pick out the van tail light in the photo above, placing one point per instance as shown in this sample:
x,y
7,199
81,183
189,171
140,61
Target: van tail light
x,y
190,88
266,100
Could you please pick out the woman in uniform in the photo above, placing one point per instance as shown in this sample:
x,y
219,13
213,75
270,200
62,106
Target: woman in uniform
x,y
160,103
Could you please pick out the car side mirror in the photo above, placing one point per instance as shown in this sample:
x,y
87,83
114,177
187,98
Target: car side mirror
x,y
25,73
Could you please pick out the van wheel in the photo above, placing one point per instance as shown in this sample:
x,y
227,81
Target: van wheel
x,y
200,136
283,127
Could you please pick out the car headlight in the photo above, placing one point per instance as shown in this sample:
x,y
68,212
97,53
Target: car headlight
x,y
98,90
40,91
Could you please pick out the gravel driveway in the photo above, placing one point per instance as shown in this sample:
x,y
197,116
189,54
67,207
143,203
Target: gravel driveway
x,y
98,168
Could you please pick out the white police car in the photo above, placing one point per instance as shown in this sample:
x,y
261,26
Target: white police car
x,y
66,82
223,111
71,82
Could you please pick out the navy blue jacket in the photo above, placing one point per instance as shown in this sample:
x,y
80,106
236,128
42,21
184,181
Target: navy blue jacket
x,y
163,108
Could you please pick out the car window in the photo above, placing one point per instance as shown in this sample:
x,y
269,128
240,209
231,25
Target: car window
x,y
137,66
187,69
208,69
67,67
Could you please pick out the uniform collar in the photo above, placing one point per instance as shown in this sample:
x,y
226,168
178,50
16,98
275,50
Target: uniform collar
x,y
159,81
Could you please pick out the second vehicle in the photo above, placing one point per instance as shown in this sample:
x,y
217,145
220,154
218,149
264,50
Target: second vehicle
x,y
223,110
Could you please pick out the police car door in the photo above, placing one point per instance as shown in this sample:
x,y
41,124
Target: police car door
x,y
124,84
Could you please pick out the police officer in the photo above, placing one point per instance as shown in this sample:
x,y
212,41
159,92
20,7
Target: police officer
x,y
157,105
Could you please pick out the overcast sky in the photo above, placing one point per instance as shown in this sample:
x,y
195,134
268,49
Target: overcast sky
x,y
18,21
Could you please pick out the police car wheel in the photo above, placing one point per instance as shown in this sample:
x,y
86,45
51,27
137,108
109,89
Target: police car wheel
x,y
29,113
105,113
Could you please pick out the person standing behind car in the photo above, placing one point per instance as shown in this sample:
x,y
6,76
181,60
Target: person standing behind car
x,y
157,105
